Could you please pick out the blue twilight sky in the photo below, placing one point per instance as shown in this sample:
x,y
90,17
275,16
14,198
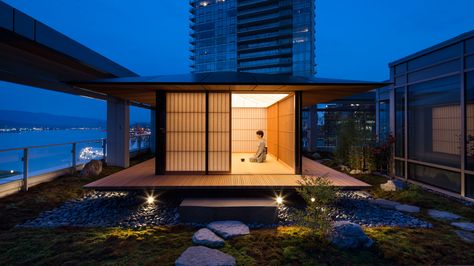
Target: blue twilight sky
x,y
354,40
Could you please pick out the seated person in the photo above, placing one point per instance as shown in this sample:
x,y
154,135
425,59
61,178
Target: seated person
x,y
261,153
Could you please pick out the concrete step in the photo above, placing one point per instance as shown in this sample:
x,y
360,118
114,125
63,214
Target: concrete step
x,y
246,210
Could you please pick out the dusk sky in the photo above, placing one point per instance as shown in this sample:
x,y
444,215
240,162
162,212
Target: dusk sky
x,y
354,40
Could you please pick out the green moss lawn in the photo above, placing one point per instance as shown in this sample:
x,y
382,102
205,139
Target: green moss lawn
x,y
163,245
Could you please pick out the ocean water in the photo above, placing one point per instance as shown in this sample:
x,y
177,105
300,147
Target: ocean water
x,y
46,159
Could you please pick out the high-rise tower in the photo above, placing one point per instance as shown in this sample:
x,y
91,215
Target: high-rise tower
x,y
259,36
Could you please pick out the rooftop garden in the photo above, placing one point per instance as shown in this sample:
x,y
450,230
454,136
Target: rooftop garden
x,y
281,245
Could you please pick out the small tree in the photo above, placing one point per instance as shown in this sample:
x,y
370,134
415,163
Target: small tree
x,y
319,195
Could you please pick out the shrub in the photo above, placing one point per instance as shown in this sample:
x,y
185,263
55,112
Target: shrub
x,y
319,195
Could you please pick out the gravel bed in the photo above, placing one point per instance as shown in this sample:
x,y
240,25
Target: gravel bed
x,y
130,210
109,209
355,207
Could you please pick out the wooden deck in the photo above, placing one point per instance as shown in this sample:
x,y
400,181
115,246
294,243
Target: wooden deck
x,y
142,176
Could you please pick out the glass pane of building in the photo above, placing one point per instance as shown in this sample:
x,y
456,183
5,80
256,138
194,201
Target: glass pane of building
x,y
444,179
470,120
399,168
470,186
384,120
434,121
399,122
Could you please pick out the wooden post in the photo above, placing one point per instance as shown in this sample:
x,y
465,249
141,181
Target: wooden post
x,y
160,124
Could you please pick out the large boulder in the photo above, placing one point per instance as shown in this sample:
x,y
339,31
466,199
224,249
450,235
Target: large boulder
x,y
206,237
443,215
229,229
203,256
92,169
347,235
393,185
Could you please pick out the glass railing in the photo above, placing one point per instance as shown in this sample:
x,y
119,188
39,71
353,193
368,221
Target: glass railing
x,y
23,163
139,143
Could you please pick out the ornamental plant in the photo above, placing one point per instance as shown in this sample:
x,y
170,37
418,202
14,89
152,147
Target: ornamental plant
x,y
319,195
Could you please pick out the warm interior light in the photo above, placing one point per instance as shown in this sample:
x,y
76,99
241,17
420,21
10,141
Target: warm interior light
x,y
256,100
279,200
150,199
313,199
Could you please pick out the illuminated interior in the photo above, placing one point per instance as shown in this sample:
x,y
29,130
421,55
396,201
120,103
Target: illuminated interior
x,y
252,112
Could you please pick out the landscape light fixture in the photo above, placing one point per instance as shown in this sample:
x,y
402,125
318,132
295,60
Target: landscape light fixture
x,y
313,199
279,200
150,199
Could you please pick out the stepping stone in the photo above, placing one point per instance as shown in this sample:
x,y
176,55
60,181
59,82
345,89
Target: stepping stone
x,y
388,204
443,215
465,236
206,237
229,229
407,208
464,226
203,256
347,235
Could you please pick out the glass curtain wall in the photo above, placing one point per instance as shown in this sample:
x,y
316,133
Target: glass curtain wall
x,y
428,98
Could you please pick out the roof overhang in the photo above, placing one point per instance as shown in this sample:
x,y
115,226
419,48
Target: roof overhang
x,y
34,54
142,89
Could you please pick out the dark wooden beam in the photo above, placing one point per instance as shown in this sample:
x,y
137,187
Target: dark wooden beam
x,y
160,125
298,129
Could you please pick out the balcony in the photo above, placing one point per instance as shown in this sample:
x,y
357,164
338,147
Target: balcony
x,y
258,28
263,36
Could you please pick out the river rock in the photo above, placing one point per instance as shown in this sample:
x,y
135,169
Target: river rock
x,y
199,255
347,235
443,215
206,237
464,226
92,169
229,229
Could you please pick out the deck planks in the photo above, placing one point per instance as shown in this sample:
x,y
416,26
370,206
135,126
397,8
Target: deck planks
x,y
142,176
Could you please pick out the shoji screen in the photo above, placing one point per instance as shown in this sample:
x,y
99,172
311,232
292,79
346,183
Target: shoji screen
x,y
219,132
281,130
185,132
286,131
272,128
245,122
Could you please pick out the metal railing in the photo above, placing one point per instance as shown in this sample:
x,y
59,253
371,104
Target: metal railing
x,y
22,163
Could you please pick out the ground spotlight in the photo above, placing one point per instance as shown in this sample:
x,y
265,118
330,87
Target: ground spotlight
x,y
150,199
279,200
313,199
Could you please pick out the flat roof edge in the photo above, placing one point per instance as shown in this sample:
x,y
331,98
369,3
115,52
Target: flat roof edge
x,y
456,39
21,24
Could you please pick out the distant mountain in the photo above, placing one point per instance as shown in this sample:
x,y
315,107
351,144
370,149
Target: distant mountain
x,y
9,119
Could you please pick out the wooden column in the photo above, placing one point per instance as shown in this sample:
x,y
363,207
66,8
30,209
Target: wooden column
x,y
118,132
160,125
298,129
153,131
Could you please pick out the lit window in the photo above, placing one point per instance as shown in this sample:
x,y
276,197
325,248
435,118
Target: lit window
x,y
203,3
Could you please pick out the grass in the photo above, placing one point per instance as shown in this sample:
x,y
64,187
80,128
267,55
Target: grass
x,y
163,245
